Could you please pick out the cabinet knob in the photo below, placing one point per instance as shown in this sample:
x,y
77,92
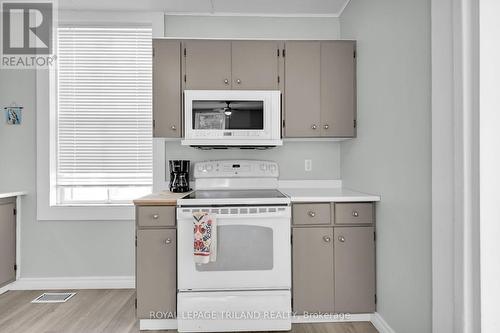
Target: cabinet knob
x,y
326,126
156,216
314,126
341,239
311,213
173,128
226,81
168,241
355,214
238,81
327,239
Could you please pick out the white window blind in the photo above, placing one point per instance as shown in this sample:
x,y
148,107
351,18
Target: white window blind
x,y
104,113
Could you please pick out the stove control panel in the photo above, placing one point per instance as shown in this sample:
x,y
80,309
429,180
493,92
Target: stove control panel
x,y
236,169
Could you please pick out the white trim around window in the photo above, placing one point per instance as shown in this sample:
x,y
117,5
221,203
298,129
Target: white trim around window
x,y
45,108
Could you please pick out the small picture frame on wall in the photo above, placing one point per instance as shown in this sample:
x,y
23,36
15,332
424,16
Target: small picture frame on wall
x,y
13,115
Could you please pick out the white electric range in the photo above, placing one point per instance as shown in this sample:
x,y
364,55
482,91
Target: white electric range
x,y
248,287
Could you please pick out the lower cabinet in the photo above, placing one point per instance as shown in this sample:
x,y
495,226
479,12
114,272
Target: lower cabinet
x,y
333,269
156,273
354,257
313,270
7,241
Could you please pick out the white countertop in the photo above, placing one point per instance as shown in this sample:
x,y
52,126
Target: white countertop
x,y
11,194
334,194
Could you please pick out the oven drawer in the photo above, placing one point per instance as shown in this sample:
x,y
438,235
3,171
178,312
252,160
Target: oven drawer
x,y
156,216
316,213
354,213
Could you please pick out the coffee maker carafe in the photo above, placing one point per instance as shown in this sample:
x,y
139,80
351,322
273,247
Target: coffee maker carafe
x,y
179,175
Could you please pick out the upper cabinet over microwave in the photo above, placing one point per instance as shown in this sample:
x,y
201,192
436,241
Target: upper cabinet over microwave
x,y
237,65
232,118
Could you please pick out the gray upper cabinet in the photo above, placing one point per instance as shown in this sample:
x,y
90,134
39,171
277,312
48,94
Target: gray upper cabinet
x,y
338,87
155,272
255,65
7,241
354,269
167,88
207,64
312,283
302,89
320,89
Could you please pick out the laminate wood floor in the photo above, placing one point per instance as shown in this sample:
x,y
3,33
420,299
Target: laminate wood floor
x,y
106,311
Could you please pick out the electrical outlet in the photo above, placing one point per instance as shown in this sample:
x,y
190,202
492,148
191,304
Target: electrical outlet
x,y
308,165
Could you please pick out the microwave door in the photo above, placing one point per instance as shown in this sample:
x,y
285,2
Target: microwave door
x,y
227,115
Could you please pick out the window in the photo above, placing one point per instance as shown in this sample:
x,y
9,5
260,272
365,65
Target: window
x,y
104,115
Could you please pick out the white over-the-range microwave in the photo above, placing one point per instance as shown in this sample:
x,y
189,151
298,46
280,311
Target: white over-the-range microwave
x,y
232,118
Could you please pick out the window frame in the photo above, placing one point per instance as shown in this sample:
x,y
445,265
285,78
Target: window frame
x,y
46,108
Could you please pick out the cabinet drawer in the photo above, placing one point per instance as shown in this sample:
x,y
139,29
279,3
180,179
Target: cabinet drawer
x,y
354,213
156,216
317,213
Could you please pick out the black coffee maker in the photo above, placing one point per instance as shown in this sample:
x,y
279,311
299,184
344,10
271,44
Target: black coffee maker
x,y
179,175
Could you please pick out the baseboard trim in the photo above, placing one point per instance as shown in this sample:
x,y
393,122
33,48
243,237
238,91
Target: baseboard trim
x,y
333,318
157,324
375,318
87,282
5,288
380,324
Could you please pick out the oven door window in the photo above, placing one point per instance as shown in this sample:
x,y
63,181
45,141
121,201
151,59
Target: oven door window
x,y
242,248
228,115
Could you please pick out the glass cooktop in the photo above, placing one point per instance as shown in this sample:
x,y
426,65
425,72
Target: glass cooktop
x,y
235,194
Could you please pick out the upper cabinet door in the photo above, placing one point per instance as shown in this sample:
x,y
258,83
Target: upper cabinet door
x,y
255,65
208,64
338,87
302,89
167,93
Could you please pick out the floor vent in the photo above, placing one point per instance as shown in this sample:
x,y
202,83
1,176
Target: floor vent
x,y
53,298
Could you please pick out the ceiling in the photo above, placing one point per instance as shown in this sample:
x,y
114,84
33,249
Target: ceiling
x,y
216,7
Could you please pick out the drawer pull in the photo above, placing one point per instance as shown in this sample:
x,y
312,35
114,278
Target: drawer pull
x,y
327,239
311,213
341,239
355,214
168,241
156,216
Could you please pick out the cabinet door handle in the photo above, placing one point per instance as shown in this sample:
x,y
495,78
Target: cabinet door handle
x,y
238,81
355,214
168,241
341,239
314,126
156,216
173,128
327,239
326,126
311,213
226,81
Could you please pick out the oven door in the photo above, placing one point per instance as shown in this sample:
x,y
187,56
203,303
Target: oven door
x,y
232,118
253,250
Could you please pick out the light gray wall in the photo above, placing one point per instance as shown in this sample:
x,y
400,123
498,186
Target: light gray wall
x,y
53,248
251,27
325,157
392,154
106,248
